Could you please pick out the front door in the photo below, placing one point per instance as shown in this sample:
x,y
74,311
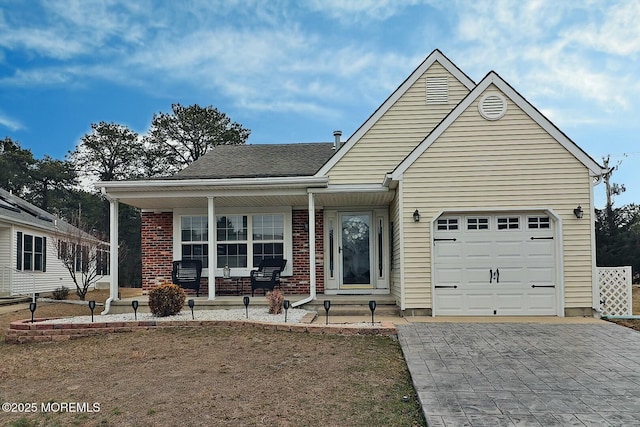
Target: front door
x,y
355,250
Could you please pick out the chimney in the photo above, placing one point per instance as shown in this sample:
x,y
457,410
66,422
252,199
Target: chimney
x,y
337,143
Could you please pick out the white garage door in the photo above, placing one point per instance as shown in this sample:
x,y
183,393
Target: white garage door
x,y
501,264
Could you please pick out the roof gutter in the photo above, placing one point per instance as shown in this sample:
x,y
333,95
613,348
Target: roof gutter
x,y
157,184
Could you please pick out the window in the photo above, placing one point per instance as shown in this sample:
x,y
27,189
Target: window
x,y
268,237
31,252
538,223
508,223
242,241
103,261
194,231
447,224
477,223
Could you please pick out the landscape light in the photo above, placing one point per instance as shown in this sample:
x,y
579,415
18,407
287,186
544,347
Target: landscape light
x,y
245,301
32,308
92,306
327,306
372,307
286,306
191,303
134,304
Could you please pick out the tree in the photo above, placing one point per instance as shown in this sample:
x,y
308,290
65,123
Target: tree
x,y
110,152
52,181
83,254
617,229
187,133
15,167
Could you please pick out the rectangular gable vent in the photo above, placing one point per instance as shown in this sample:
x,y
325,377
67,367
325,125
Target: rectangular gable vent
x,y
437,90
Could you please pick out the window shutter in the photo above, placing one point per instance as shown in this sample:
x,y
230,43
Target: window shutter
x,y
19,252
44,254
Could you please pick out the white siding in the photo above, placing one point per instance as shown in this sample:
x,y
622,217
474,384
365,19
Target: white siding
x,y
505,164
398,132
55,276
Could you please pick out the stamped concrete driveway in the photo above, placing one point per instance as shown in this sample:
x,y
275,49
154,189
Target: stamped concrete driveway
x,y
524,374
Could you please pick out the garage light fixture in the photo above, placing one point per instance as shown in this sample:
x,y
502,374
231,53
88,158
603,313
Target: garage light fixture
x,y
578,212
416,216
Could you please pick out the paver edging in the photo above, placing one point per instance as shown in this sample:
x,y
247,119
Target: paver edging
x,y
24,331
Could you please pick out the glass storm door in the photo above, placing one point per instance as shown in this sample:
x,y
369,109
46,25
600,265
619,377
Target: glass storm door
x,y
355,249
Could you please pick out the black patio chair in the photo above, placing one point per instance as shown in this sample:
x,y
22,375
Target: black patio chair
x,y
186,274
267,276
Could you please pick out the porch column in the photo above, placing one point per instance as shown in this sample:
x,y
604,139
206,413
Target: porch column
x,y
211,214
312,246
113,248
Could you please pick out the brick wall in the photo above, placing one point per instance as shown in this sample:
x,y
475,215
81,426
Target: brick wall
x,y
157,256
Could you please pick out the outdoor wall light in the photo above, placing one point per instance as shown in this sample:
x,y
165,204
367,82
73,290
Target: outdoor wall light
x,y
245,301
372,307
191,303
578,212
286,306
416,216
92,306
135,304
32,309
327,306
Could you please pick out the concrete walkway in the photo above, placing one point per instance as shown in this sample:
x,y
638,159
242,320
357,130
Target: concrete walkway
x,y
524,374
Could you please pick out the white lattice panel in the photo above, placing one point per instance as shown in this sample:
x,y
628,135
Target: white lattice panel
x,y
615,290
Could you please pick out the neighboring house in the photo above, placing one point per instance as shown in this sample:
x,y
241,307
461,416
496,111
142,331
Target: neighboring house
x,y
28,255
454,197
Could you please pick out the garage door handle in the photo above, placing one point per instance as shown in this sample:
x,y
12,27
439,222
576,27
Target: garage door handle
x,y
446,287
495,275
543,286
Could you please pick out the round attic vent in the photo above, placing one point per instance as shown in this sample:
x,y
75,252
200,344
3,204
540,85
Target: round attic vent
x,y
492,106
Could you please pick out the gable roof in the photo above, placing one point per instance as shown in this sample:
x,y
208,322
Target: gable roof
x,y
13,209
435,56
493,78
259,161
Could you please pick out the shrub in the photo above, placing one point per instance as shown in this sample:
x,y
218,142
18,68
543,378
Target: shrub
x,y
61,293
166,300
275,299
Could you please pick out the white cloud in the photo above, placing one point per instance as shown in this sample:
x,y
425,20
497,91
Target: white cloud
x,y
10,123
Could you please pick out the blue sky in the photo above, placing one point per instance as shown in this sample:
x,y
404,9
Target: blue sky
x,y
295,71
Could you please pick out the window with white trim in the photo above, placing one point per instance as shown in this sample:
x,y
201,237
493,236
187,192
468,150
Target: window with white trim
x,y
447,224
477,223
31,252
242,240
538,223
194,235
509,223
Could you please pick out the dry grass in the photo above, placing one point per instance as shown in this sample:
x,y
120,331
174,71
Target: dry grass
x,y
221,376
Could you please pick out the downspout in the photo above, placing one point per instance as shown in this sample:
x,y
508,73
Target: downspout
x,y
312,254
113,242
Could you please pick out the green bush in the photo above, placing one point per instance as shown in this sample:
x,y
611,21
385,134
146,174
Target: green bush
x,y
275,299
166,300
61,293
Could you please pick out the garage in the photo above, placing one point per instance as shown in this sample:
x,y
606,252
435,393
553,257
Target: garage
x,y
495,265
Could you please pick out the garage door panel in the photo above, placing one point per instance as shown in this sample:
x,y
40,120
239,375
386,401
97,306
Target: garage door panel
x,y
494,268
448,276
475,251
448,251
540,275
510,249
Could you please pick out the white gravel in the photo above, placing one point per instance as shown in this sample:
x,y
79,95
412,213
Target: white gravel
x,y
258,314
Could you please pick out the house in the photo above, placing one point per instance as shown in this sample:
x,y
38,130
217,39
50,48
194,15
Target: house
x,y
29,238
454,197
